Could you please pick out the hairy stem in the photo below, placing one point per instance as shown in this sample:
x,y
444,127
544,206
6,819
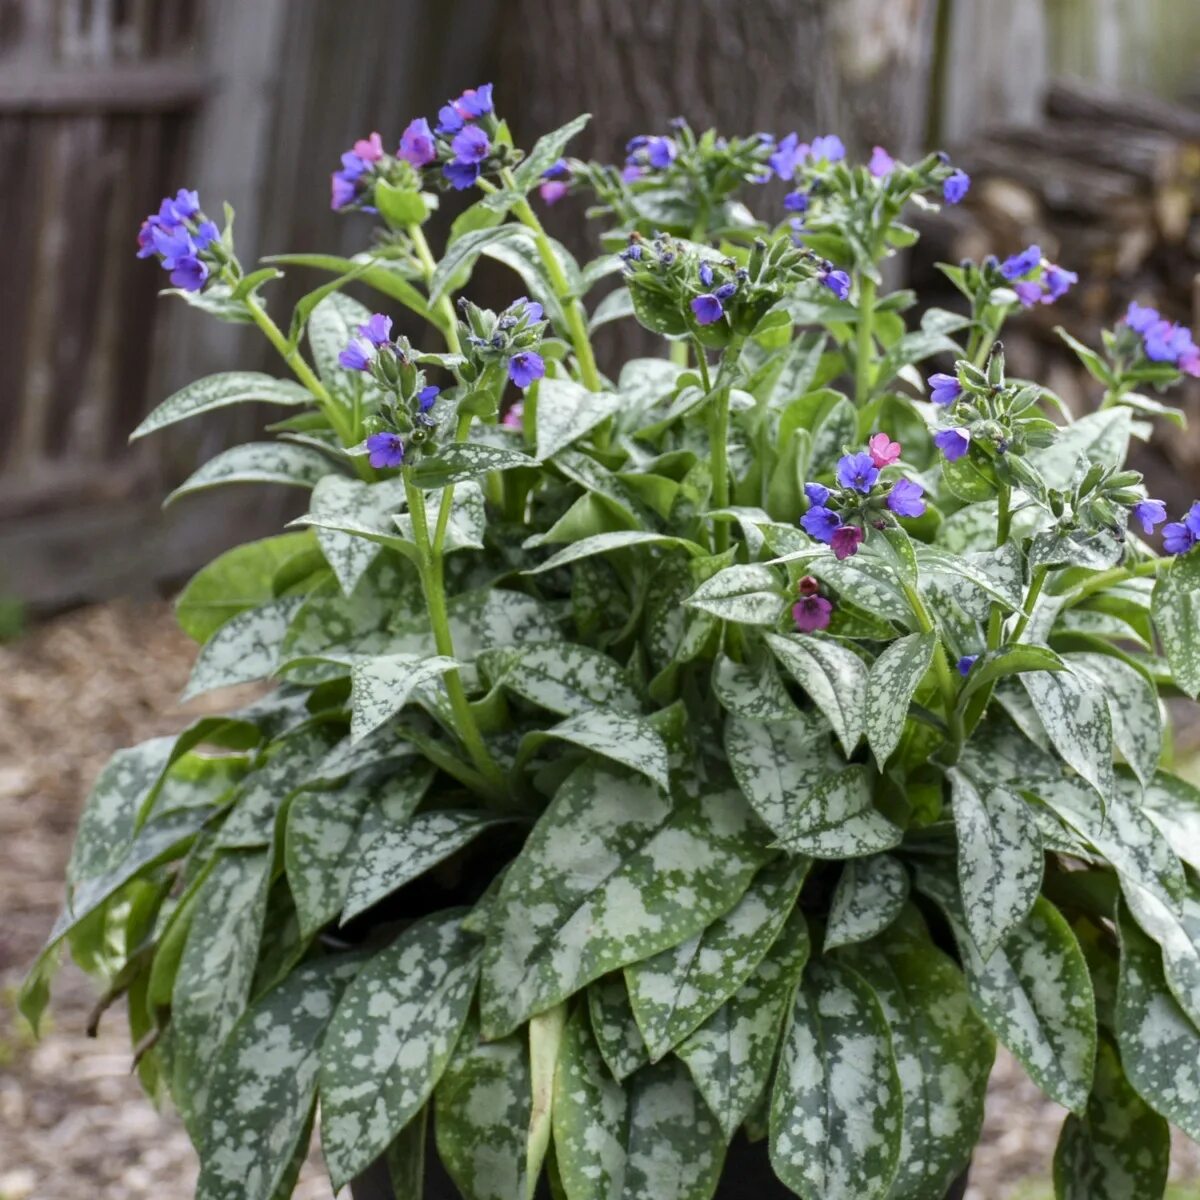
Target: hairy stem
x,y
864,359
1036,583
444,307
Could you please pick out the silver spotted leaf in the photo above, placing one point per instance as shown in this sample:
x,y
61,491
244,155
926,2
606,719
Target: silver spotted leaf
x,y
999,859
837,1104
266,1077
1132,705
245,649
755,693
838,819
674,991
217,391
1160,1046
614,871
339,504
745,593
620,736
381,686
1176,929
651,1138
566,411
731,1055
870,895
614,1027
894,677
1075,716
943,1054
258,462
482,1107
467,521
457,462
333,321
1176,612
562,677
1120,1149
1173,805
604,543
391,1038
835,678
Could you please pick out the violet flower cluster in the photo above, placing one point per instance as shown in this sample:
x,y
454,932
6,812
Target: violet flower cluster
x,y
1034,279
513,338
1164,341
182,239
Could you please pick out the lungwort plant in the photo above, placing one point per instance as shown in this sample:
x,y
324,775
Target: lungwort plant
x,y
741,738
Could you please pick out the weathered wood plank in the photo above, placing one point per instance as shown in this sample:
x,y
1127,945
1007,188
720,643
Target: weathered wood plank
x,y
29,86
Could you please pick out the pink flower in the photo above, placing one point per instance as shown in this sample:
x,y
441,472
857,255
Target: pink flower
x,y
846,540
369,149
515,417
812,613
883,450
552,191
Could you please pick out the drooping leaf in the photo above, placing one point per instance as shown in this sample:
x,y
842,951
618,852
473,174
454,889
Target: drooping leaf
x,y
614,1027
1177,932
217,391
1075,717
620,736
244,649
838,819
602,543
563,677
339,504
870,895
258,462
893,679
380,687
545,153
1176,612
834,676
1173,806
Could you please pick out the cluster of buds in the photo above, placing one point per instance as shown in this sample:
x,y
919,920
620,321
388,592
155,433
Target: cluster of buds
x,y
1160,340
838,515
511,338
185,242
407,418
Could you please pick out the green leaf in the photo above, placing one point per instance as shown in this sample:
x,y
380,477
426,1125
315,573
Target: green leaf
x,y
837,1104
675,991
244,649
1133,707
613,1026
331,325
616,306
1120,1149
1034,993
482,1107
893,679
566,411
756,694
462,254
747,594
545,153
1160,1047
651,1139
1176,612
835,678
339,504
217,391
1076,720
380,687
777,765
1100,437
996,573
943,1055
870,895
561,676
459,461
258,462
614,871
391,1038
602,543
1010,660
400,207
731,1055
1173,806
266,1077
999,859
1176,929
215,973
384,275
838,819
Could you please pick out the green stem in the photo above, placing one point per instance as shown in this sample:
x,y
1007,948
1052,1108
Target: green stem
x,y
984,349
1003,527
864,364
1098,583
1031,597
719,449
945,678
444,308
679,353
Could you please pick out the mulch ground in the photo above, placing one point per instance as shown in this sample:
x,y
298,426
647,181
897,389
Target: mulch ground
x,y
73,1121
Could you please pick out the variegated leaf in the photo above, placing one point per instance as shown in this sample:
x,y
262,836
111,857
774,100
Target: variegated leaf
x,y
1176,612
837,1105
755,693
331,324
1120,1149
217,391
258,462
380,687
1132,705
614,871
266,1077
649,1139
870,895
563,677
838,819
566,411
1177,932
613,1026
674,991
731,1055
619,736
1173,805
1160,1047
999,859
482,1110
467,523
1075,716
339,504
245,649
456,462
835,678
747,594
390,1039
996,573
894,677
943,1055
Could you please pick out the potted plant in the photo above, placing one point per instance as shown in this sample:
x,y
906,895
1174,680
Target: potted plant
x,y
716,748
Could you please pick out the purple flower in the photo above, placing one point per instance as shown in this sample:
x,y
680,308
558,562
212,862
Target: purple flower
x,y
172,245
342,191
881,163
352,166
426,396
838,282
1148,513
944,389
461,175
378,330
661,152
206,234
812,613
796,201
845,541
786,156
553,190
471,145
145,238
416,143
385,450
186,204
1178,538
820,523
726,291
706,274
1165,342
449,120
966,663
905,498
817,493
514,418
525,367
189,273
857,471
358,354
559,169
1140,318
707,309
1017,265
1189,361
1058,283
474,102
1029,292
829,148
955,187
522,306
953,443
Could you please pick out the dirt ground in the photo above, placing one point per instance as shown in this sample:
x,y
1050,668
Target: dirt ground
x,y
73,1122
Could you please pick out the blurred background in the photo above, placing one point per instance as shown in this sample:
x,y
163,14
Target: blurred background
x,y
1079,121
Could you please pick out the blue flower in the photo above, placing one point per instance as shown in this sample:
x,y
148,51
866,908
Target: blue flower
x,y
342,191
821,523
1017,265
525,367
475,102
786,156
796,201
189,273
726,292
1029,291
953,443
817,493
829,148
1149,513
416,143
1180,536
522,306
661,152
944,389
966,663
558,169
358,354
706,274
471,145
385,450
838,282
905,498
1140,318
955,187
449,120
461,175
857,471
707,309
206,234
186,204
1166,342
1058,283
378,330
426,397
172,245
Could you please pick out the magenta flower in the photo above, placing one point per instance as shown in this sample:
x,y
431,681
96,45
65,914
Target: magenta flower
x,y
514,418
846,541
369,149
953,443
385,450
416,143
883,450
553,190
955,187
881,163
857,471
812,613
525,367
944,389
905,498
